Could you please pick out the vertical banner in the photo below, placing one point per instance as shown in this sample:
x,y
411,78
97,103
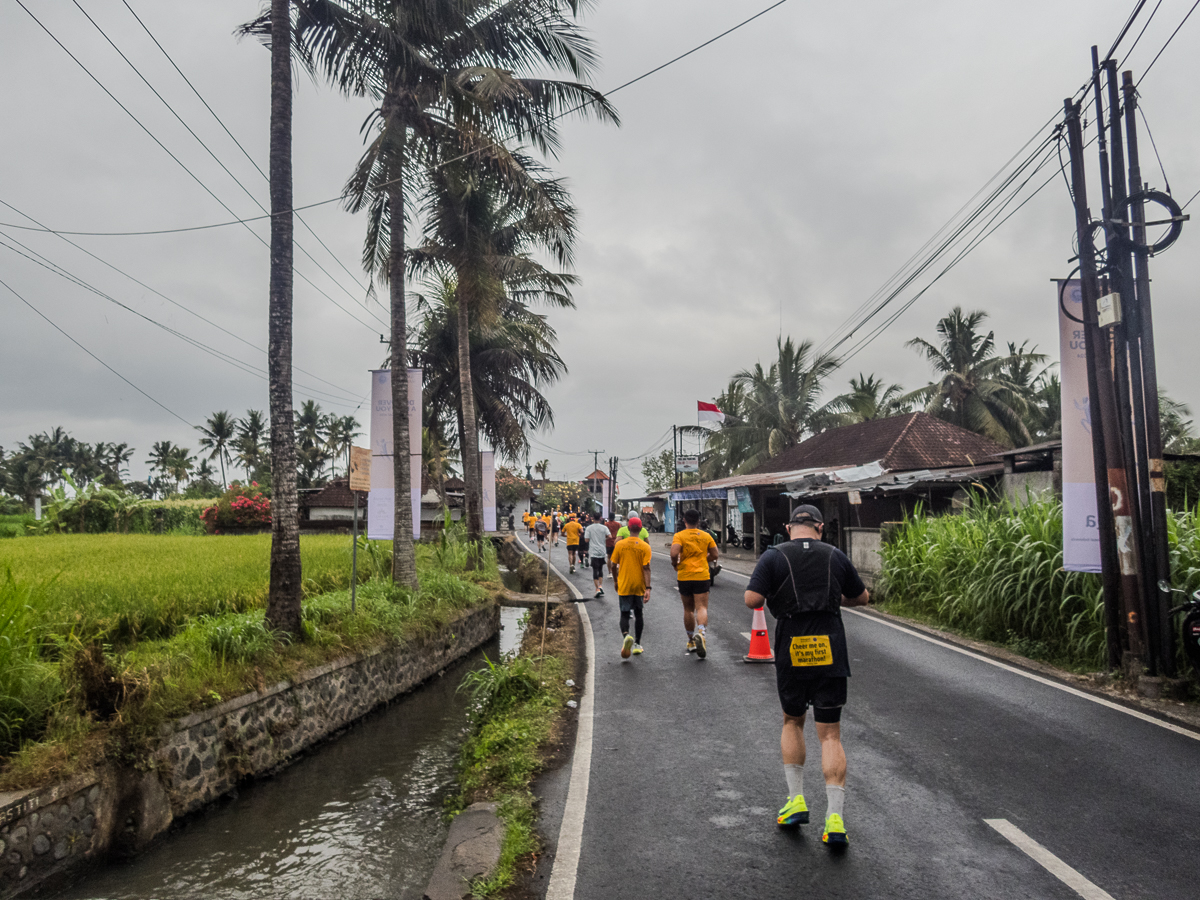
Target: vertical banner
x,y
381,507
1081,532
606,498
488,459
669,517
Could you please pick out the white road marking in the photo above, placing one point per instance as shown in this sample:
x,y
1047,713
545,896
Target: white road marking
x,y
745,634
1169,726
1049,861
570,833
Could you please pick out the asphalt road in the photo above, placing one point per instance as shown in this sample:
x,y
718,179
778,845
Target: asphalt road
x,y
686,775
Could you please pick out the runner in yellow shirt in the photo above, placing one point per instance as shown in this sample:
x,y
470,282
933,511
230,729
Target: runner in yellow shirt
x,y
630,565
572,530
691,552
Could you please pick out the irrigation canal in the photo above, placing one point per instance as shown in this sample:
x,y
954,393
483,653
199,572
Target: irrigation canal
x,y
361,815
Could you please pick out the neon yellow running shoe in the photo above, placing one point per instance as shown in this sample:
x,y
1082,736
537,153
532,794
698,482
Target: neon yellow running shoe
x,y
794,812
627,646
637,648
691,645
835,832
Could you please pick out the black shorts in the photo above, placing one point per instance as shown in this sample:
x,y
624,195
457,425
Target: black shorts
x,y
826,695
597,567
631,602
690,588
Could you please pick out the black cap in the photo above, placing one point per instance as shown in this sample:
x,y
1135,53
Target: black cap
x,y
807,515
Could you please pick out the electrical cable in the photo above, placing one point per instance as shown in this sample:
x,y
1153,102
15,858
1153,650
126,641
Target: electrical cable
x,y
180,163
1150,134
1146,71
212,351
176,303
1125,30
48,230
245,152
56,327
1133,46
201,142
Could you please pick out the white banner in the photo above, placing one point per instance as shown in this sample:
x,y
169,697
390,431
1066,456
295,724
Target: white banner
x,y
381,505
1081,532
488,467
605,498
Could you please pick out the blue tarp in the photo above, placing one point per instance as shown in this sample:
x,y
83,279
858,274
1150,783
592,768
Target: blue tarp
x,y
702,494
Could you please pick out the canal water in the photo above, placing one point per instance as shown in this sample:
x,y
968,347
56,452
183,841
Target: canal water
x,y
359,816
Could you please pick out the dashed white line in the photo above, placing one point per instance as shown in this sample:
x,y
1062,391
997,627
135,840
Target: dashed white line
x,y
1048,861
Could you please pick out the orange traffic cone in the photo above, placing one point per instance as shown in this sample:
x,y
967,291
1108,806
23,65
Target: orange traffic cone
x,y
760,644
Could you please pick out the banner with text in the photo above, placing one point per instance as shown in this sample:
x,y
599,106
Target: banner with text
x,y
488,458
381,507
1081,533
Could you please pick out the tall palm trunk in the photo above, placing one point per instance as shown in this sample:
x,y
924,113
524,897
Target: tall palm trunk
x,y
404,562
283,599
472,474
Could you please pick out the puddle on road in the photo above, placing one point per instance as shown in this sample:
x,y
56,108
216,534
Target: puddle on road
x,y
359,817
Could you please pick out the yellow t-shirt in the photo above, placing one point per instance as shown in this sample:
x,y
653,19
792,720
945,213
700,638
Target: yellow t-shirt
x,y
572,530
629,555
693,554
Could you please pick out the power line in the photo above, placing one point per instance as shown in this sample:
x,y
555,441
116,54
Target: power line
x,y
224,357
176,303
245,152
53,325
60,231
180,163
1162,50
1133,46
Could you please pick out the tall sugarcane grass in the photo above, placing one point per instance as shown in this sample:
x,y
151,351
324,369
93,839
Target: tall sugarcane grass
x,y
995,572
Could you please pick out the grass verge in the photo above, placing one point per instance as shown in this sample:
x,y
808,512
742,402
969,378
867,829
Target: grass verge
x,y
109,699
517,723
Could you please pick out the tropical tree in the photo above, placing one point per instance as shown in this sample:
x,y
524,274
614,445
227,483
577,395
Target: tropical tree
x,y
869,398
179,464
249,443
340,432
542,466
444,73
439,460
780,404
219,431
975,389
481,231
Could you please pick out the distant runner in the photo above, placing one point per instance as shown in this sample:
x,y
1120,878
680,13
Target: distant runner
x,y
596,535
530,520
572,530
585,519
541,528
631,570
804,583
692,552
623,532
613,527
555,527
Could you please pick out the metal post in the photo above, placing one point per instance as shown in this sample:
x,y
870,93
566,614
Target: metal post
x,y
354,560
757,523
1157,553
675,455
1111,496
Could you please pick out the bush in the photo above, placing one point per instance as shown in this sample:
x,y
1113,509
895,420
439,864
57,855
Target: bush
x,y
242,506
29,687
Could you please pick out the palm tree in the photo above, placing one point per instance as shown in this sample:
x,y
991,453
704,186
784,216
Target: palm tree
x,y
974,390
340,434
869,398
542,466
249,442
179,463
481,232
219,431
437,69
117,460
439,459
780,403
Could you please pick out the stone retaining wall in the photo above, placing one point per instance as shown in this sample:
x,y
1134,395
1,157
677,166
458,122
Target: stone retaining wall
x,y
47,832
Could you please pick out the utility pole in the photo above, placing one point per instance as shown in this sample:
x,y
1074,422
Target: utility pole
x,y
1116,540
612,485
675,455
1158,560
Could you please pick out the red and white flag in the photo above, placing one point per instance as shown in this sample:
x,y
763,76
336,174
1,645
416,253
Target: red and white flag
x,y
708,412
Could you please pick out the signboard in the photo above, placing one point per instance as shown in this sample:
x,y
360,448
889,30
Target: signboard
x,y
687,463
731,498
669,518
488,460
360,468
381,506
744,503
1081,532
855,497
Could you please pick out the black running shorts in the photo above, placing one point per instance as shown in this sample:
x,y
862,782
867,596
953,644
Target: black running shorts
x,y
690,588
597,567
826,695
630,602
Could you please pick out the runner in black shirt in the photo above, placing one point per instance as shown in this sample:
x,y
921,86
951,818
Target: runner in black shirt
x,y
804,583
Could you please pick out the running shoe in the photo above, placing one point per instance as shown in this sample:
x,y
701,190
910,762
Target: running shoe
x,y
691,647
599,594
701,645
627,646
794,812
572,572
637,648
835,832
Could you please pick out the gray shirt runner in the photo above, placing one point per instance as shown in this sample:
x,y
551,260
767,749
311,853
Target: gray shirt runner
x,y
596,534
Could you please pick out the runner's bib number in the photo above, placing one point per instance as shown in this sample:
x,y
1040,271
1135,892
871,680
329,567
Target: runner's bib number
x,y
811,650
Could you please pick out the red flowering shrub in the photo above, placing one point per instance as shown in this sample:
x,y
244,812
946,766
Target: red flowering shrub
x,y
242,506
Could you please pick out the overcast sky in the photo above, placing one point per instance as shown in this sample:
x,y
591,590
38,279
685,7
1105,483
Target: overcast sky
x,y
774,179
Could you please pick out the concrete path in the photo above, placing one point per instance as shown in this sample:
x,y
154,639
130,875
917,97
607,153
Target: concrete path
x,y
965,779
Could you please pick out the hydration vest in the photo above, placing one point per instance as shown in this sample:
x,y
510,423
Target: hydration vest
x,y
810,586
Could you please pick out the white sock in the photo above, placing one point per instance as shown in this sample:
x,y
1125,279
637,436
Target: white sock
x,y
700,628
691,634
836,797
795,779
